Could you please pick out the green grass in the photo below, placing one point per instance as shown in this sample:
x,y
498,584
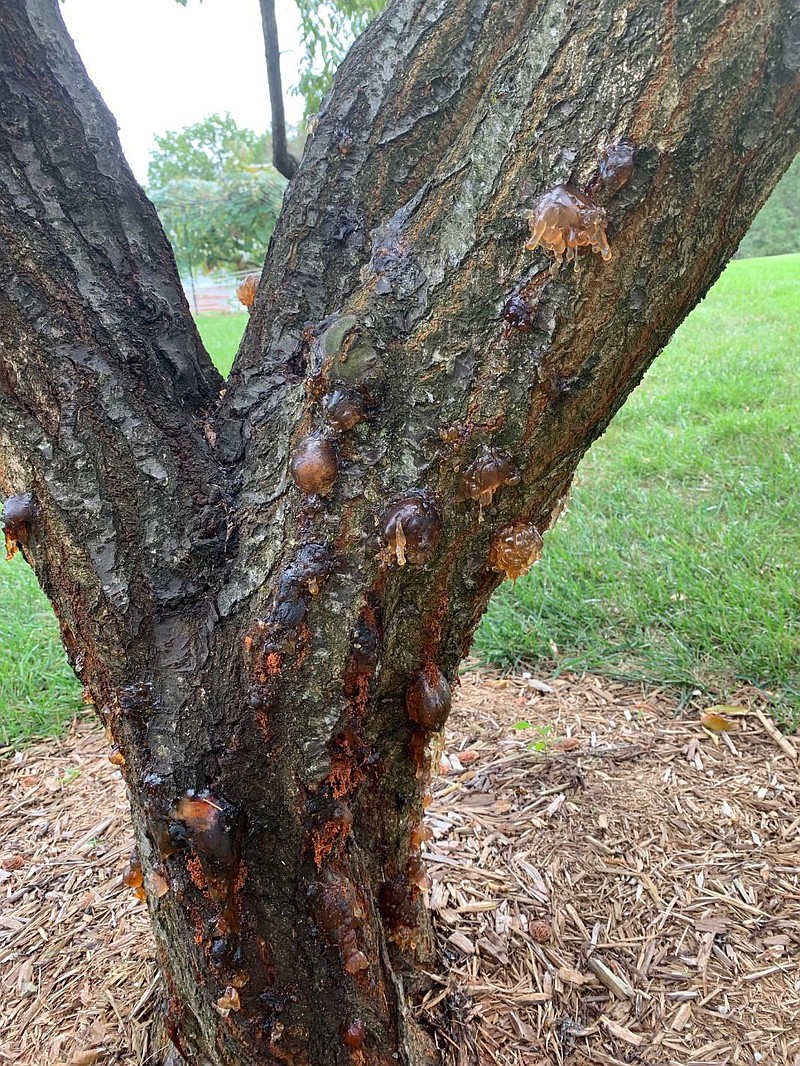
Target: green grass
x,y
38,691
221,335
679,560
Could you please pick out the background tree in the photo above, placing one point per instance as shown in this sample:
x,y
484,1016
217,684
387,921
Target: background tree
x,y
327,31
774,230
224,224
217,197
267,588
206,151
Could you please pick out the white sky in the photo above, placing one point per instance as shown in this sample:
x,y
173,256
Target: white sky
x,y
161,66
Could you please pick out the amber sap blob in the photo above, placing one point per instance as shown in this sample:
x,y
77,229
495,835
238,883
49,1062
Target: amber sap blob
x,y
246,291
615,165
428,700
205,822
343,409
412,528
518,313
489,472
355,1034
315,465
564,220
515,549
17,513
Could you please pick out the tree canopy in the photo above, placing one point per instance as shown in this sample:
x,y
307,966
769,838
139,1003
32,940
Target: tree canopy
x,y
224,224
328,30
205,151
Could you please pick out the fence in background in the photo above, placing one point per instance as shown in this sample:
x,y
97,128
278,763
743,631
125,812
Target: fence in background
x,y
213,294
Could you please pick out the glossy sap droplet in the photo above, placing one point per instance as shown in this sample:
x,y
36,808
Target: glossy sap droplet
x,y
412,528
564,220
342,409
355,1034
205,821
336,907
338,914
518,313
229,1001
428,700
400,910
17,514
315,465
17,510
158,882
356,962
418,875
490,471
515,549
132,876
419,835
246,290
615,165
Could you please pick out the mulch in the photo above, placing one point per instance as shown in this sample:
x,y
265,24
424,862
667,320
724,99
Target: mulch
x,y
616,883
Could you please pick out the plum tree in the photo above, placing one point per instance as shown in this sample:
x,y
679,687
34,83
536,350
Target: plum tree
x,y
271,654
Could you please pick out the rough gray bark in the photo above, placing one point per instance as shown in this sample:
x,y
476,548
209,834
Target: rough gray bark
x,y
268,670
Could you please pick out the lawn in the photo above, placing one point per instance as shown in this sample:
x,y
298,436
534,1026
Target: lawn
x,y
38,691
221,335
679,560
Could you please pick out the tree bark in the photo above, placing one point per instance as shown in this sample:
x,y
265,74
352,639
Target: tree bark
x,y
226,562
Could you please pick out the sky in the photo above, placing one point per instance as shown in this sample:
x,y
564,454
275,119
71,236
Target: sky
x,y
160,66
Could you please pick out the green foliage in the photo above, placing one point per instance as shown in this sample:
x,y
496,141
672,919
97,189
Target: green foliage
x,y
206,151
774,230
224,224
217,198
545,734
678,562
327,32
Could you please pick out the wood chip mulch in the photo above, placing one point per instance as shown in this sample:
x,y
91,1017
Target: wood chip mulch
x,y
614,884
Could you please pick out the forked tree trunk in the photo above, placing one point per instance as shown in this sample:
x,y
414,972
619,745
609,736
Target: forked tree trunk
x,y
269,670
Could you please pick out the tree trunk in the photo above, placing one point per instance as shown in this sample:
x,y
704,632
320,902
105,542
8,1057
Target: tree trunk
x,y
267,587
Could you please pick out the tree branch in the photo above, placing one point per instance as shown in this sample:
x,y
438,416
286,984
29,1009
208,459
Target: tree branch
x,y
285,162
421,297
104,384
